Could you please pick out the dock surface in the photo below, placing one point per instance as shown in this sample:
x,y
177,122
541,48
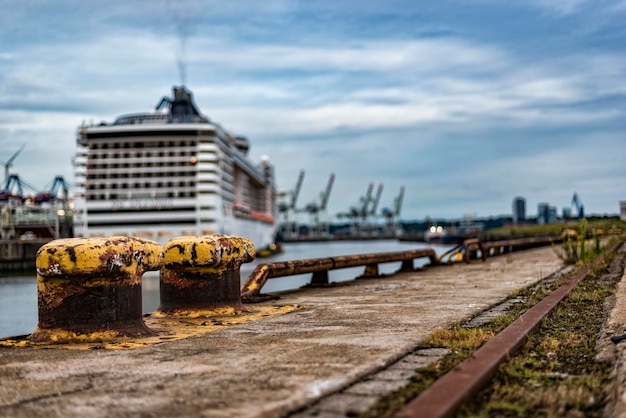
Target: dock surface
x,y
270,367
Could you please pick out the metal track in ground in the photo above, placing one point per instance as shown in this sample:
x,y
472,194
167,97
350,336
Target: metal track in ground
x,y
450,392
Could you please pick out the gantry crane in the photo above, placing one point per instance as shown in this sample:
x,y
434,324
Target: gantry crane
x,y
51,195
13,188
580,209
326,194
398,202
314,209
365,201
393,215
9,163
376,200
290,227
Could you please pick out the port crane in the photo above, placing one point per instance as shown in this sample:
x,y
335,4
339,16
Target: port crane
x,y
326,194
578,204
355,213
13,188
379,192
9,163
361,211
288,208
365,201
393,215
398,202
315,209
49,196
285,207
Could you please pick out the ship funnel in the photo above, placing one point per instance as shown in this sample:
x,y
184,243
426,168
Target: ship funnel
x,y
183,108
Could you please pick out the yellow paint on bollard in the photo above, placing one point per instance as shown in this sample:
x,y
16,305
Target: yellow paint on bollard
x,y
166,327
201,274
90,288
207,254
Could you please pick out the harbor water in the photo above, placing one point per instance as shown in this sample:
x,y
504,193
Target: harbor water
x,y
18,294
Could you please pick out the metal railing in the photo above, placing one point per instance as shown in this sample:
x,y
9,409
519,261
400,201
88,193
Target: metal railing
x,y
250,291
319,267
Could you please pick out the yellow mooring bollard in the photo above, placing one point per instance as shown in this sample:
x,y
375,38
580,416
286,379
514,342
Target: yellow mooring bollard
x,y
89,289
201,275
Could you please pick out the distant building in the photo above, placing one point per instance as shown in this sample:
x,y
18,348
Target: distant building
x,y
622,210
567,213
519,210
552,214
546,214
542,213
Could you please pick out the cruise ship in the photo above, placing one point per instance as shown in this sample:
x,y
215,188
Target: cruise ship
x,y
170,172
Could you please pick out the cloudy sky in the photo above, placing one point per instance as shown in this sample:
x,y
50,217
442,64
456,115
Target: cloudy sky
x,y
466,103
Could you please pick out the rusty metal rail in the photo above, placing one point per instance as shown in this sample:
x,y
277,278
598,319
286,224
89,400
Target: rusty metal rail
x,y
506,246
250,291
319,267
474,248
449,393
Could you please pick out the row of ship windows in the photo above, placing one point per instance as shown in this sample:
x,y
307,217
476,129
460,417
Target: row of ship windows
x,y
117,155
159,144
185,163
148,185
158,185
188,168
104,176
113,196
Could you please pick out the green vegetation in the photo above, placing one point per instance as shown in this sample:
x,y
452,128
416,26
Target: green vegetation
x,y
581,239
574,249
554,374
599,226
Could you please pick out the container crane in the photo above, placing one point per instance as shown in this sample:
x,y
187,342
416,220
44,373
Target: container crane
x,y
291,205
580,209
314,209
365,201
376,200
296,192
13,182
51,195
398,202
9,163
290,228
326,194
393,214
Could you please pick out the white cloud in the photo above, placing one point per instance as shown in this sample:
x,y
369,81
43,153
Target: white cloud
x,y
559,7
392,108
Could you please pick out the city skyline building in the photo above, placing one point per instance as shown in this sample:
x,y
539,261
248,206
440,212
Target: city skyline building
x,y
519,210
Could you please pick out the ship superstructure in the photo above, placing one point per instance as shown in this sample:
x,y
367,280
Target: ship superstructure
x,y
168,173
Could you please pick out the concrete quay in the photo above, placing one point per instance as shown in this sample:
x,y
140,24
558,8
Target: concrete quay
x,y
337,353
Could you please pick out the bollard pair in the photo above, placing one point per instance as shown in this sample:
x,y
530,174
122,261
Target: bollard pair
x,y
89,289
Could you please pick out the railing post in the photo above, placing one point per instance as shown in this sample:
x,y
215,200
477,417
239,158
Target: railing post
x,y
89,289
319,278
371,270
201,274
407,265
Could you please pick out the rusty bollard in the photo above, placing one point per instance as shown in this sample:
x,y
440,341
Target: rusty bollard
x,y
89,289
201,275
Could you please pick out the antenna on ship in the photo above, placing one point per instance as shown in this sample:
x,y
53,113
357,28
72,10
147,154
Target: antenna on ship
x,y
182,23
9,163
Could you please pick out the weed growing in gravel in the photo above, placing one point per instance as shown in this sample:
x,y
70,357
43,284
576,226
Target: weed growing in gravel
x,y
575,248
